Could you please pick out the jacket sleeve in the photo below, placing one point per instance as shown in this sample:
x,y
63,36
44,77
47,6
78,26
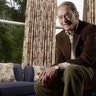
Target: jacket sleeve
x,y
59,55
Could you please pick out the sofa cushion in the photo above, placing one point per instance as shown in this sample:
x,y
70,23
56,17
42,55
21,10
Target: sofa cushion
x,y
37,70
18,72
16,88
6,72
28,73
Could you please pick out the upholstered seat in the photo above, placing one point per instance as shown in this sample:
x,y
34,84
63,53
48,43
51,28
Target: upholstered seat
x,y
23,86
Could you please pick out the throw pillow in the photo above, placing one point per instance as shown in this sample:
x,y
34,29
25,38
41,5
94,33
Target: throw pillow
x,y
37,70
6,72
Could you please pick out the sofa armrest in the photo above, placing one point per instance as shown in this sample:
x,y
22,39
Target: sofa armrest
x,y
28,73
18,72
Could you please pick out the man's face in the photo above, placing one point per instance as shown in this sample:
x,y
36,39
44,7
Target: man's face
x,y
67,18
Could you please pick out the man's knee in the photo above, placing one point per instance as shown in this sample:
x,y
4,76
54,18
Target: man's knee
x,y
37,86
44,90
71,70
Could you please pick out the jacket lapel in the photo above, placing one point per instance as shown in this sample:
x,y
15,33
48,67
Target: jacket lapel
x,y
65,45
77,36
76,39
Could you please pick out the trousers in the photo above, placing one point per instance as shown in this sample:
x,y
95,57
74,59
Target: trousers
x,y
71,84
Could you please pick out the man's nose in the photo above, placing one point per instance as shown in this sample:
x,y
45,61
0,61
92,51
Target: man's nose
x,y
64,19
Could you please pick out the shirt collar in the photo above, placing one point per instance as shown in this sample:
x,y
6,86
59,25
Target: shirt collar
x,y
69,33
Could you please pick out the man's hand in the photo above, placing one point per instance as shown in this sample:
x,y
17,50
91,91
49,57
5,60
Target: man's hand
x,y
47,75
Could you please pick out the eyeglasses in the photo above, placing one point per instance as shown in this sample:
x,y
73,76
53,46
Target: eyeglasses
x,y
66,16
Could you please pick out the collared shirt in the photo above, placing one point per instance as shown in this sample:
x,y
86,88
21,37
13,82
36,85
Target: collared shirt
x,y
71,41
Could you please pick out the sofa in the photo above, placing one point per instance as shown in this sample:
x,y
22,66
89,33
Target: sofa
x,y
24,85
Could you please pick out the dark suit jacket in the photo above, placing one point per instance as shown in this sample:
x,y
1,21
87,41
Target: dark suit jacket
x,y
84,46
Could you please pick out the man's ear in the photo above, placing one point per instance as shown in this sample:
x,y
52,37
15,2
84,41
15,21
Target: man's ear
x,y
77,14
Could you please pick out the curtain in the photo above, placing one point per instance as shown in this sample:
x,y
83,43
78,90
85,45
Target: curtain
x,y
39,39
90,11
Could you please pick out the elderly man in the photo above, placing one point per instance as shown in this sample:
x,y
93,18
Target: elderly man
x,y
75,56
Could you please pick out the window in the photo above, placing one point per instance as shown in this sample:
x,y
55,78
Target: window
x,y
79,6
12,16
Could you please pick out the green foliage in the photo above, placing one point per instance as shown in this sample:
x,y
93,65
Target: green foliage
x,y
3,9
17,38
19,15
11,36
6,47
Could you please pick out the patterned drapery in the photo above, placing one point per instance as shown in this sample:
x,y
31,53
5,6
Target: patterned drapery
x,y
39,39
90,11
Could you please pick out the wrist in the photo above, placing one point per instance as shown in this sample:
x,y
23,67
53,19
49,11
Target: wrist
x,y
57,68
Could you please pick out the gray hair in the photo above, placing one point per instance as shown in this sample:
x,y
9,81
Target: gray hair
x,y
69,4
